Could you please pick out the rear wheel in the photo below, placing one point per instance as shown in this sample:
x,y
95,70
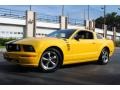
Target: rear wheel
x,y
104,57
50,60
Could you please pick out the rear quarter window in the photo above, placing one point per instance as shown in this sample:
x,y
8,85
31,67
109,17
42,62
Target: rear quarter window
x,y
99,36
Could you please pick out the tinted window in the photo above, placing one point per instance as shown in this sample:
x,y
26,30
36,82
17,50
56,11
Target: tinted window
x,y
61,33
85,35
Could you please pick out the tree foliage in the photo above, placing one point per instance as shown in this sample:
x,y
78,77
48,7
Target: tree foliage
x,y
112,20
4,40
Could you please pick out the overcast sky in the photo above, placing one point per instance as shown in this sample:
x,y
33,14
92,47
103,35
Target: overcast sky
x,y
73,11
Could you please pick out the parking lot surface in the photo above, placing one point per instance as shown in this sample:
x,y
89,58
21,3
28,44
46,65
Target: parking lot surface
x,y
79,74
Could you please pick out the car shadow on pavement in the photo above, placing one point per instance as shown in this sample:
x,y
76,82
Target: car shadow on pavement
x,y
8,67
79,64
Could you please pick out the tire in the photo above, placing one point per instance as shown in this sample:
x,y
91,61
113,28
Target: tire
x,y
50,60
104,57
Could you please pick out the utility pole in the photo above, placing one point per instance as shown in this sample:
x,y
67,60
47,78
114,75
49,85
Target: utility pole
x,y
63,20
84,15
88,12
104,14
30,7
104,22
62,10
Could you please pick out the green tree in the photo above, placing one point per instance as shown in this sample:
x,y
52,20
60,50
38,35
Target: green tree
x,y
112,20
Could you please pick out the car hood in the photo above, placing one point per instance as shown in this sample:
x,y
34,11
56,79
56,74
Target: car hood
x,y
36,40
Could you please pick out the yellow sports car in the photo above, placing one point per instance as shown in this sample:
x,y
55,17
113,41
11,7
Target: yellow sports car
x,y
59,48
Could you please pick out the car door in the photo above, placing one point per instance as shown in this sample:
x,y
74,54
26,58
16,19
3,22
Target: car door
x,y
84,47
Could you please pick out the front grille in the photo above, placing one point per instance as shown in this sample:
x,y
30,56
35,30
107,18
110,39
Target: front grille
x,y
12,47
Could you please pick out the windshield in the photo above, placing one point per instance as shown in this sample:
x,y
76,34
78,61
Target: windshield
x,y
62,33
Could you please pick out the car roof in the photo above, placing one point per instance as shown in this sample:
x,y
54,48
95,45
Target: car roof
x,y
80,30
85,30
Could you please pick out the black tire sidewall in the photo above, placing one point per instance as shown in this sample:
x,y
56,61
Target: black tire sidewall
x,y
100,61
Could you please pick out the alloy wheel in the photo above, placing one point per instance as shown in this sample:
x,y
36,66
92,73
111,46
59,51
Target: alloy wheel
x,y
49,60
105,56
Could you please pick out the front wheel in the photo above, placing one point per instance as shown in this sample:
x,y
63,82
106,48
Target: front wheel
x,y
104,57
50,60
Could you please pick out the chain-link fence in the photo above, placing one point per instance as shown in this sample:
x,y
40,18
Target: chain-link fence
x,y
73,21
76,14
8,13
47,18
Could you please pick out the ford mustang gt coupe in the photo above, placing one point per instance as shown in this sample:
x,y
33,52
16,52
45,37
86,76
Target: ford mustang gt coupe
x,y
59,48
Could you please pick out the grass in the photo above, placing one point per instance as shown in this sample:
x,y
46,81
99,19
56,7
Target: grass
x,y
2,46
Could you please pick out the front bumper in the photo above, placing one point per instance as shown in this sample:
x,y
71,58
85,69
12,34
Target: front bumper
x,y
22,58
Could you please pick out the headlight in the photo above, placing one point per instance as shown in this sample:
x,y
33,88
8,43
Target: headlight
x,y
28,48
12,47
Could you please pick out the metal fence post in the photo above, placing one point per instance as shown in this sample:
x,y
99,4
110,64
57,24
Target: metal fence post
x,y
114,34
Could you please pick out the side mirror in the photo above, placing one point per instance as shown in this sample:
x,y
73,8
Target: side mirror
x,y
77,38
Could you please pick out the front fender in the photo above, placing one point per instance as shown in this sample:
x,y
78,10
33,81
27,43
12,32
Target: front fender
x,y
43,46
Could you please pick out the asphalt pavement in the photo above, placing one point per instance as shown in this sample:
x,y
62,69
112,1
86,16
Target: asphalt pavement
x,y
75,74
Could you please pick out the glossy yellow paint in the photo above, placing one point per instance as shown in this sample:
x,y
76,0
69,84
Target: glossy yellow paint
x,y
74,51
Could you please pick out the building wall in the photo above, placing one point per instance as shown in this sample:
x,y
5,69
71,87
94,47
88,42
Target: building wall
x,y
11,31
43,31
13,28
